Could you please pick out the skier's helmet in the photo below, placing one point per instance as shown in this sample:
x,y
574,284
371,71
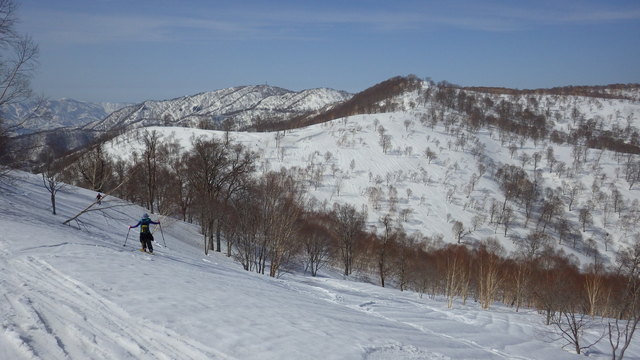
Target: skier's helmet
x,y
145,215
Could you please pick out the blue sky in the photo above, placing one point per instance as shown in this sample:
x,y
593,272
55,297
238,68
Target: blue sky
x,y
135,50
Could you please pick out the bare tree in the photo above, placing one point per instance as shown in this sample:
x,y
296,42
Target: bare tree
x,y
385,143
280,199
570,321
563,228
227,125
242,227
430,155
375,195
207,163
215,172
51,181
571,324
316,241
459,231
594,287
488,261
550,157
404,214
536,160
150,155
18,58
386,243
573,191
506,218
406,256
349,228
94,168
339,180
407,124
623,326
457,273
240,165
549,281
617,200
585,217
513,181
532,245
185,193
549,209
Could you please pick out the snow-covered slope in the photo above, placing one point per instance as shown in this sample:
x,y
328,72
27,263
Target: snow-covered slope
x,y
75,292
567,112
54,114
244,106
343,161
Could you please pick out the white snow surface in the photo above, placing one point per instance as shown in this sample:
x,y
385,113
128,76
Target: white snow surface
x,y
75,292
435,193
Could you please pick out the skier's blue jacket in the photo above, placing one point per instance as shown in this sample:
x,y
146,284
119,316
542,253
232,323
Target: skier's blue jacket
x,y
145,221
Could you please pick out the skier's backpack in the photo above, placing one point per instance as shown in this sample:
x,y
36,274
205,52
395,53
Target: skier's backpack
x,y
144,227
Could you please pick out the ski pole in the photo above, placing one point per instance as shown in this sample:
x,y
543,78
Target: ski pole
x,y
162,233
125,240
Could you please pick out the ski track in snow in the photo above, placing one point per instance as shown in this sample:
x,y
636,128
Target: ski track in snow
x,y
80,323
383,309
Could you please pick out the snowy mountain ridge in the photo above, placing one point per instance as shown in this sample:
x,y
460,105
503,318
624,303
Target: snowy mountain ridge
x,y
54,114
243,106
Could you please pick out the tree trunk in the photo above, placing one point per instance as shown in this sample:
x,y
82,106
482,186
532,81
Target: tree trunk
x,y
381,270
218,234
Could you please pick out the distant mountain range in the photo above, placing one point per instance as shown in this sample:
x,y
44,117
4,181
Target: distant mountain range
x,y
48,115
240,107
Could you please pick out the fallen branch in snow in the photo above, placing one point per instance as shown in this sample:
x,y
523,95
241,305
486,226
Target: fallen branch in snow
x,y
108,207
87,209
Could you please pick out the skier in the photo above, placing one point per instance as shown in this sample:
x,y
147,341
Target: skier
x,y
145,233
99,199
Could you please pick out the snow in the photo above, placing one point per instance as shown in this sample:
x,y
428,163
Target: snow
x,y
55,114
435,192
75,292
243,105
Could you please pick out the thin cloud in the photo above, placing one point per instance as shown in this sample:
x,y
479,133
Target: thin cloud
x,y
507,16
602,16
306,24
74,28
466,15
